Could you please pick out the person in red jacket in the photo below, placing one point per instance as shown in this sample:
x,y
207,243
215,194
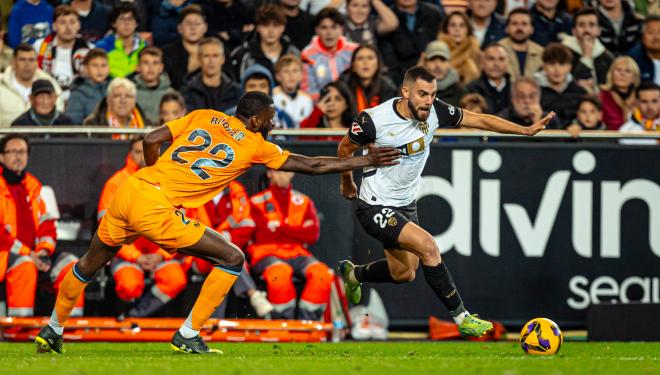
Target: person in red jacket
x,y
132,261
286,223
27,231
229,214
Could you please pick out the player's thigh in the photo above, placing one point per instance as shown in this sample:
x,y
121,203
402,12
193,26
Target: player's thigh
x,y
418,241
403,264
215,248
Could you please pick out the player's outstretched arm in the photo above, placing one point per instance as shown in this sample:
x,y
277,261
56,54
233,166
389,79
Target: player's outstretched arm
x,y
378,156
500,125
152,142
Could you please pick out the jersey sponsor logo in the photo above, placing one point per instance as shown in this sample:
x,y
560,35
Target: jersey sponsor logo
x,y
356,128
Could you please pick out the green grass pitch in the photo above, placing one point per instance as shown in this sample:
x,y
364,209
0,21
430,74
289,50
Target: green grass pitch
x,y
419,358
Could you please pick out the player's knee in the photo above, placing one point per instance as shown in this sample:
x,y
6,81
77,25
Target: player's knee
x,y
235,258
429,251
403,276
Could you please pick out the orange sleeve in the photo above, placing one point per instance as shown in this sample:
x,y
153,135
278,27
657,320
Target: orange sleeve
x,y
179,125
271,155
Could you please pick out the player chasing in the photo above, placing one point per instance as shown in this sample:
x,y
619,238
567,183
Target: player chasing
x,y
209,149
386,206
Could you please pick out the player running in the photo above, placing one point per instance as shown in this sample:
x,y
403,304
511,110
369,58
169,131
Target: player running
x,y
209,149
386,206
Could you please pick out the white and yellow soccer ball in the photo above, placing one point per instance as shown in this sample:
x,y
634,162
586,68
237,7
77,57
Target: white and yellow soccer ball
x,y
541,336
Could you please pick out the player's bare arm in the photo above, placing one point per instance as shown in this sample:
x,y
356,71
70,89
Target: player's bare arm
x,y
500,125
377,157
152,142
347,186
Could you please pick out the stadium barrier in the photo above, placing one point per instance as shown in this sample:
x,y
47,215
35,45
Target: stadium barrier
x,y
527,228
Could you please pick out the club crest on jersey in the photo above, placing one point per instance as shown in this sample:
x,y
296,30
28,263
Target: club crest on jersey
x,y
423,126
356,128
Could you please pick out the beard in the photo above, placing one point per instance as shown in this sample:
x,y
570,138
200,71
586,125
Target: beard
x,y
414,110
517,40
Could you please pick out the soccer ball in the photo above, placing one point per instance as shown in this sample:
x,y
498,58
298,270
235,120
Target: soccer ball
x,y
541,336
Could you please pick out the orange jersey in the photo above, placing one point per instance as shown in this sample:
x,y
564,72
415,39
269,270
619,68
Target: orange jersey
x,y
209,150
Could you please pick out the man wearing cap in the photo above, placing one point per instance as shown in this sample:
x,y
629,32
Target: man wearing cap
x,y
436,60
42,107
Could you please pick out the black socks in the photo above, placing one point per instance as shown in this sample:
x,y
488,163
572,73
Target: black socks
x,y
439,279
374,272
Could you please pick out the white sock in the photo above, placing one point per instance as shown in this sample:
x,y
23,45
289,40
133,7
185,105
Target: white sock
x,y
55,325
186,329
460,317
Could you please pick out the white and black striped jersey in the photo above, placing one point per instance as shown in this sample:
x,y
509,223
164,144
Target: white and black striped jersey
x,y
397,185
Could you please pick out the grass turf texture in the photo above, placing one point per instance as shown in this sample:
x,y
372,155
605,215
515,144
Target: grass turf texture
x,y
337,359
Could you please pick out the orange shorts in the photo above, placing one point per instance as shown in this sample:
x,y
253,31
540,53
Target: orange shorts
x,y
141,209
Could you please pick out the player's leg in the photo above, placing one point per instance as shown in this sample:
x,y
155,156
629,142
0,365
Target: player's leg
x,y
227,261
70,289
420,243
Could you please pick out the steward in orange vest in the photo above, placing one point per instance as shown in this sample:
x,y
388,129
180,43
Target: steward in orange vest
x,y
27,232
133,260
286,223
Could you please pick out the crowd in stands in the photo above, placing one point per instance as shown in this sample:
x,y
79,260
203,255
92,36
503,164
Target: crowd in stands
x,y
111,62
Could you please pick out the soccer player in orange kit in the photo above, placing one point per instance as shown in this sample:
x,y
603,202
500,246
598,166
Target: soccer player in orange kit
x,y
209,149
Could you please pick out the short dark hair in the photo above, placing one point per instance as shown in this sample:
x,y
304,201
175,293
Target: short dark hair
x,y
418,72
330,13
64,10
191,9
647,86
94,54
588,11
24,47
9,137
591,99
124,7
151,51
173,96
252,103
649,19
270,13
557,53
520,10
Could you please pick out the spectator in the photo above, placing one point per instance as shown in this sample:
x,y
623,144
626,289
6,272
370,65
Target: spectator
x,y
366,80
61,53
618,93
42,107
436,60
647,53
268,44
299,23
93,19
181,57
526,104
29,20
524,55
287,95
151,82
210,87
549,22
559,92
333,111
328,54
124,44
588,52
286,224
164,19
646,117
419,23
231,21
16,84
487,26
258,78
451,6
90,88
229,214
495,83
364,27
132,261
314,7
474,103
456,31
5,52
172,106
119,108
621,28
589,116
28,241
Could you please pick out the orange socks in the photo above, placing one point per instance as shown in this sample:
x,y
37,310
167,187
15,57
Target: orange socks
x,y
71,288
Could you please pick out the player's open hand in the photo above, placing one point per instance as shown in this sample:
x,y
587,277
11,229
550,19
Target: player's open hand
x,y
383,156
540,124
